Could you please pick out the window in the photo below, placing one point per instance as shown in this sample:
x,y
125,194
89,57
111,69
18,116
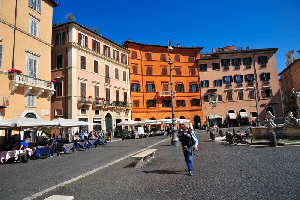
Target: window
x,y
180,103
191,58
1,50
116,55
265,76
166,103
82,62
249,78
149,71
225,63
177,58
117,73
205,98
195,102
178,71
125,96
59,38
203,67
82,40
136,103
263,60
247,62
164,71
96,68
220,97
179,87
106,50
229,96
205,83
227,80
216,66
253,114
33,29
97,91
218,83
107,71
107,94
163,57
83,111
238,79
134,69
240,95
135,87
96,46
194,87
267,93
151,103
59,61
236,62
58,112
117,95
165,87
31,99
124,58
133,55
213,97
150,87
58,89
35,5
148,56
124,75
32,65
97,112
251,94
193,72
82,88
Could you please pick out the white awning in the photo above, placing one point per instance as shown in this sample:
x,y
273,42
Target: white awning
x,y
243,115
232,115
214,116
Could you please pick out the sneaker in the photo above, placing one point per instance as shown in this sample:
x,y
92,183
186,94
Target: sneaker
x,y
190,174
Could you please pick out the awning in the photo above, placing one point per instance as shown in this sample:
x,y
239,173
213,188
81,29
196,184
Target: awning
x,y
232,115
214,116
243,115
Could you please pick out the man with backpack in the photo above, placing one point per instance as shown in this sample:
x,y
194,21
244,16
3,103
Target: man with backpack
x,y
189,144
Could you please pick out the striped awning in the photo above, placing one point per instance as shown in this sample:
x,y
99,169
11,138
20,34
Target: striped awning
x,y
232,115
243,115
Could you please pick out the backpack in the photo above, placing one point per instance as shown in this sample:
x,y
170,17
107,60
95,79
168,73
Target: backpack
x,y
187,139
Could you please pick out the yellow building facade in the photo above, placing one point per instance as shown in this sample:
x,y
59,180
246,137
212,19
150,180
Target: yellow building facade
x,y
25,47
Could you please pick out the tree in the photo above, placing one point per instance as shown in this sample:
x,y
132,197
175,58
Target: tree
x,y
70,17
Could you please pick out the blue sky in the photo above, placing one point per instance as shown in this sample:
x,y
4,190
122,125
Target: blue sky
x,y
255,23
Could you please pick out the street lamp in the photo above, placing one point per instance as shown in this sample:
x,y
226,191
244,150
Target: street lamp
x,y
256,103
174,140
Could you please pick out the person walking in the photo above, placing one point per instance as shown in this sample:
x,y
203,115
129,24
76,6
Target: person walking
x,y
189,143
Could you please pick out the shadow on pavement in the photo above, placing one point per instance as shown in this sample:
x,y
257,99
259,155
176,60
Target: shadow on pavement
x,y
163,172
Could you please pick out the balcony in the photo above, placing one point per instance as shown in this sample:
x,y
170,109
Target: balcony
x,y
116,104
107,79
30,83
228,85
84,101
250,84
266,82
165,93
4,101
98,102
238,85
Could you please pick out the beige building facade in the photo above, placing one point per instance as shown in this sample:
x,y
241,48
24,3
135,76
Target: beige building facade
x,y
25,47
92,78
238,86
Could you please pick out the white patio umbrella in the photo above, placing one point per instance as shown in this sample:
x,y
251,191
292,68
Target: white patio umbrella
x,y
147,122
24,123
4,123
65,123
127,123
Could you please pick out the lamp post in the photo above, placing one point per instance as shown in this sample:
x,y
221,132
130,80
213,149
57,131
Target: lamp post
x,y
174,140
256,103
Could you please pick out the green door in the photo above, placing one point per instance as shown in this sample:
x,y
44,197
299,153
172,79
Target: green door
x,y
108,122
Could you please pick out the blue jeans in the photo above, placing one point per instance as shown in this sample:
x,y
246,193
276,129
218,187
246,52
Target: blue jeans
x,y
189,158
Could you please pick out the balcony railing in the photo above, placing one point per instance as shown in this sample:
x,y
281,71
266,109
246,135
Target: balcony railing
x,y
250,84
28,83
165,93
84,101
101,102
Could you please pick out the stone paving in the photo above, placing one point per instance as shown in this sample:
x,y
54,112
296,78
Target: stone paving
x,y
221,171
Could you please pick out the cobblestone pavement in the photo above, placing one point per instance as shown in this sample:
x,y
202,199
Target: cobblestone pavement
x,y
221,171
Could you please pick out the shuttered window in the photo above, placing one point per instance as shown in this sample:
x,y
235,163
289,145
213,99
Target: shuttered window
x,y
133,55
117,95
97,90
82,88
31,100
148,56
149,70
124,75
117,73
134,69
82,62
96,68
164,71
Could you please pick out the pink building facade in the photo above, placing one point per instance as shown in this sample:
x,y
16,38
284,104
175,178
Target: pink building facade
x,y
238,87
92,77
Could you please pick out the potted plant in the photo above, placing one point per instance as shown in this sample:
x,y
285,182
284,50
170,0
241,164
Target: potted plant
x,y
15,71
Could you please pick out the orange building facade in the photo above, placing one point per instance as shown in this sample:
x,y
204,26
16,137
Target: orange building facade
x,y
151,86
25,45
238,86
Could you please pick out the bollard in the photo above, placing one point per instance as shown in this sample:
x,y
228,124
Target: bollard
x,y
273,140
221,133
227,136
230,138
212,135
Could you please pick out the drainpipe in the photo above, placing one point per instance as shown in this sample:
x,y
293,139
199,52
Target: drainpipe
x,y
66,74
14,42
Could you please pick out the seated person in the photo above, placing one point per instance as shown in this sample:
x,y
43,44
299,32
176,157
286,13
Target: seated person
x,y
52,144
20,145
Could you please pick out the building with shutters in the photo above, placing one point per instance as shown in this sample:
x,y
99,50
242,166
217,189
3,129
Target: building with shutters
x,y
239,86
25,47
151,86
92,77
